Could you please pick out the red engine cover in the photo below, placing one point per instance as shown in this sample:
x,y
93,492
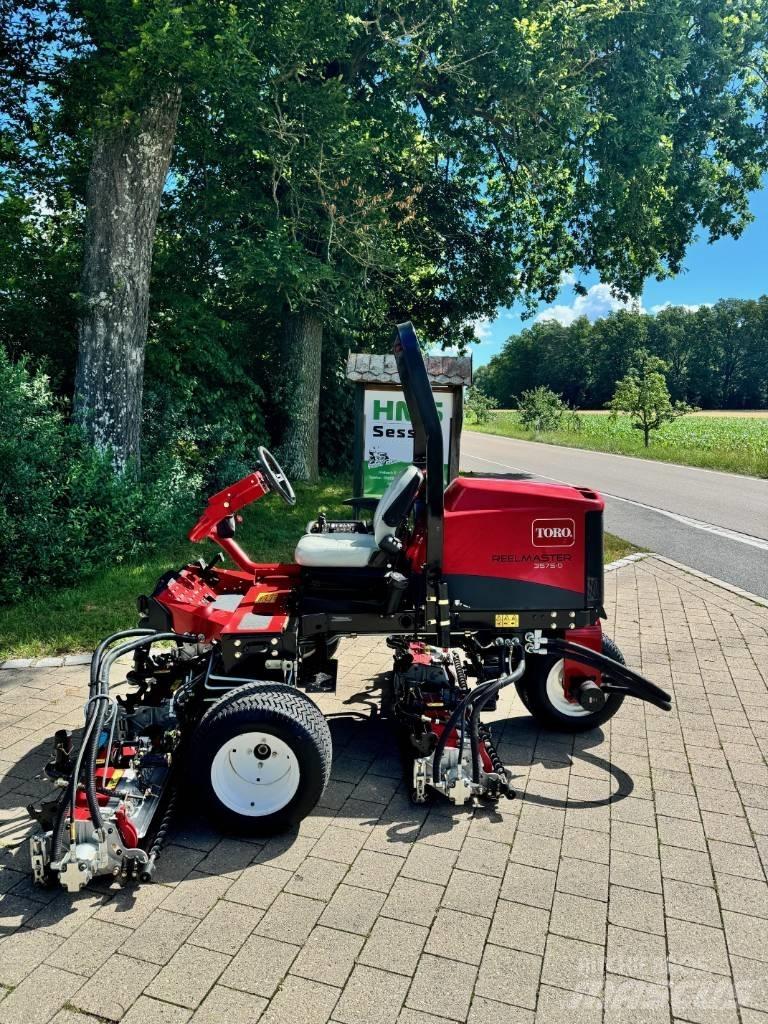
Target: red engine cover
x,y
512,544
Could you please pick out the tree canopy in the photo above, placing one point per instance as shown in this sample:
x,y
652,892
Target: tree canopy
x,y
716,356
359,163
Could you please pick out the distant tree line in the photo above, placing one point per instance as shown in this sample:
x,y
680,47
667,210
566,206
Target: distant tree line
x,y
717,356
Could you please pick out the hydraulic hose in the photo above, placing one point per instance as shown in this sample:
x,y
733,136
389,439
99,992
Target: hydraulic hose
x,y
101,665
484,690
98,654
68,797
96,720
103,685
101,701
477,709
635,684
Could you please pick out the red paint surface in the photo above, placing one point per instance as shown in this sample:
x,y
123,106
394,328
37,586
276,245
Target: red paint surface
x,y
488,531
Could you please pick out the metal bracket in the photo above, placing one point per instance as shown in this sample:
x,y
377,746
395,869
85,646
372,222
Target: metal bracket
x,y
420,779
535,642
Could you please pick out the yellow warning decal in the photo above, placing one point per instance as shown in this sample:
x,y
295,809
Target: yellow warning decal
x,y
265,597
507,620
114,778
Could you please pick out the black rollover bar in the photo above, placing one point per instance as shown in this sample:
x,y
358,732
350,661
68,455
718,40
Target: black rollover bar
x,y
627,681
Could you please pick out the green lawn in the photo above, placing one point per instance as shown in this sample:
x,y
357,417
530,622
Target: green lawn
x,y
615,548
77,618
736,444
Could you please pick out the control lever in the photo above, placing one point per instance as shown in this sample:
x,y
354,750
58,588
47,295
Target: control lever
x,y
207,571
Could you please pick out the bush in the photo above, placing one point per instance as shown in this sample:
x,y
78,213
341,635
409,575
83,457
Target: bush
x,y
479,405
63,511
541,409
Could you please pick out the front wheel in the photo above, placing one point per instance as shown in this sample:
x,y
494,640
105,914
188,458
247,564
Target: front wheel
x,y
541,691
260,758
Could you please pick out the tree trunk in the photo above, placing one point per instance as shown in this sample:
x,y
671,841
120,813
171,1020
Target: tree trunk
x,y
125,184
302,361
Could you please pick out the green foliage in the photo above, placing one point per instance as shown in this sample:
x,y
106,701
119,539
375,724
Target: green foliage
x,y
428,160
643,393
541,409
478,406
717,356
63,512
737,444
79,615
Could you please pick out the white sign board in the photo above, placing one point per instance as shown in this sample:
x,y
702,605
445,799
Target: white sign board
x,y
388,436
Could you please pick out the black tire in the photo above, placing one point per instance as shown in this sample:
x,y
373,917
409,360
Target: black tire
x,y
532,690
311,650
293,723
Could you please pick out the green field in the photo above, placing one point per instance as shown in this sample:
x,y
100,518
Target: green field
x,y
77,618
737,444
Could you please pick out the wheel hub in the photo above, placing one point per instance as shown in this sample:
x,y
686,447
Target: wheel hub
x,y
556,693
255,774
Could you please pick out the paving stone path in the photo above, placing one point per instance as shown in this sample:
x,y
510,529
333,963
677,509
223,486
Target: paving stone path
x,y
625,884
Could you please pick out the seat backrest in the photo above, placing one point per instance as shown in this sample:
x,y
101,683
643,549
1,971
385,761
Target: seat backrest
x,y
395,502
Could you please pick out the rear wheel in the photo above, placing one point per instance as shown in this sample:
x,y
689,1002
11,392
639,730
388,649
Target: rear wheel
x,y
541,691
260,758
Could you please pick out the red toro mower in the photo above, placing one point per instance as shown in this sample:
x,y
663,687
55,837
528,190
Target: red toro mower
x,y
493,580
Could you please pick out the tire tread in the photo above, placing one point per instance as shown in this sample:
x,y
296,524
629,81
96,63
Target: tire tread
x,y
275,703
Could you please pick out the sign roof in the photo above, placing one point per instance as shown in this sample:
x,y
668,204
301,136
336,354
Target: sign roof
x,y
375,369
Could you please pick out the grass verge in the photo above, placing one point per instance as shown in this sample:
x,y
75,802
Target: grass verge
x,y
615,548
75,619
733,444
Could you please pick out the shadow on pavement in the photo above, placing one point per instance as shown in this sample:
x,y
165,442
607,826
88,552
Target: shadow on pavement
x,y
367,793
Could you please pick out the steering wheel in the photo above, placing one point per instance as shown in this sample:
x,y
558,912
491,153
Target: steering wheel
x,y
276,478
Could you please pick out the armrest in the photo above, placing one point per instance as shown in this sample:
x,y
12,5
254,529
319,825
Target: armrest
x,y
368,504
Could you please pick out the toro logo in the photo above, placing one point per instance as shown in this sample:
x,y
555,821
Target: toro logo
x,y
553,533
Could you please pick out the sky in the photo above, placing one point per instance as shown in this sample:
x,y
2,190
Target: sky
x,y
727,269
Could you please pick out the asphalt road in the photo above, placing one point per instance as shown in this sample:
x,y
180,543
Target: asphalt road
x,y
715,522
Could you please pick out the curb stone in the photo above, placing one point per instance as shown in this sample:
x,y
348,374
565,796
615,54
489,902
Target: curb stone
x,y
63,661
730,587
627,559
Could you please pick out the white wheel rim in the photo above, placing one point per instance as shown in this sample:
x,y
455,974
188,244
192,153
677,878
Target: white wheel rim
x,y
255,774
556,694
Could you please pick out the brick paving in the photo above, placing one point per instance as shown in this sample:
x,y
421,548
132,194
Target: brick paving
x,y
625,884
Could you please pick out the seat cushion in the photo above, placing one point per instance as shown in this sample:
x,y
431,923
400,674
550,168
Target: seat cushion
x,y
345,550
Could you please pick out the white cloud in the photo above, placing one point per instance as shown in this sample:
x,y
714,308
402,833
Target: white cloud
x,y
688,307
482,328
567,279
598,302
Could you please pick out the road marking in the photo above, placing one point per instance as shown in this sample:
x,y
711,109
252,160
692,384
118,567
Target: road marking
x,y
696,524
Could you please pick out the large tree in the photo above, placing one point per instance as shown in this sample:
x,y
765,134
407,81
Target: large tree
x,y
431,159
520,141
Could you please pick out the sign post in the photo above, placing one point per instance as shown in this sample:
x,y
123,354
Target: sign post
x,y
383,432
